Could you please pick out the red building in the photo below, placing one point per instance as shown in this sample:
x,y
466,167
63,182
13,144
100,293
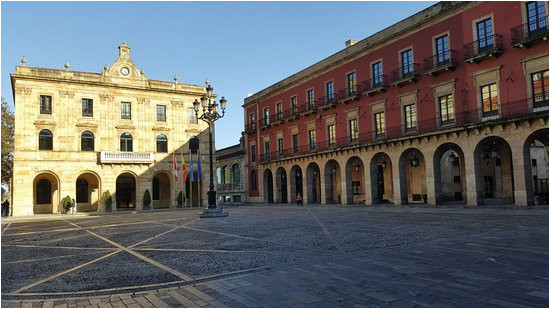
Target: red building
x,y
448,105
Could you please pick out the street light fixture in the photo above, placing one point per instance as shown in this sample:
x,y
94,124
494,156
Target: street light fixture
x,y
210,115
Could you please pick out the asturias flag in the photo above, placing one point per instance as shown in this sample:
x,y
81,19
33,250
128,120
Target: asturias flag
x,y
175,166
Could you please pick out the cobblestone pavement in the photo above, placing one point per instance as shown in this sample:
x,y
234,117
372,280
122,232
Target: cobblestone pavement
x,y
280,256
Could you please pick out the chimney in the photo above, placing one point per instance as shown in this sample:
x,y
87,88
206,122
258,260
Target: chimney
x,y
350,42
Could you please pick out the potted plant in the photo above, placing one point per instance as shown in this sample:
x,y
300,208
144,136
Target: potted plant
x,y
146,199
108,200
66,203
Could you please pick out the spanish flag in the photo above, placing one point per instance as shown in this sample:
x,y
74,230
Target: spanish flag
x,y
183,168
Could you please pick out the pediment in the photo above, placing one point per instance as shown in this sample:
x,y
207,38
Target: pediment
x,y
44,123
124,70
125,127
87,124
160,128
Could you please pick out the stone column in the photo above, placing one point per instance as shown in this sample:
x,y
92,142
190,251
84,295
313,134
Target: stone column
x,y
396,180
430,177
518,166
469,167
367,186
322,185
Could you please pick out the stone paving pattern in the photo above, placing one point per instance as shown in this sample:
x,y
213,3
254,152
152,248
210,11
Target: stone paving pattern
x,y
280,256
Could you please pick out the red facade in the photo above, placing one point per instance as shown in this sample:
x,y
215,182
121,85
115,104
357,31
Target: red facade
x,y
459,67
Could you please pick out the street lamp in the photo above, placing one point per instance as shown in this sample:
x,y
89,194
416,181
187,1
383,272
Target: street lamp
x,y
210,115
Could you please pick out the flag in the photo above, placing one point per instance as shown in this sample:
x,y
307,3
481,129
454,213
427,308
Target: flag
x,y
191,167
175,166
199,166
183,168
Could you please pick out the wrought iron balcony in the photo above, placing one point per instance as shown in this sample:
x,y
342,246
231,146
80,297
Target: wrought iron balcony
x,y
487,47
530,33
308,108
126,157
406,74
250,128
327,101
349,94
264,123
445,61
375,85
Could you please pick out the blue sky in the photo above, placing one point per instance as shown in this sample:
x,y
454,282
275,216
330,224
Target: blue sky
x,y
241,47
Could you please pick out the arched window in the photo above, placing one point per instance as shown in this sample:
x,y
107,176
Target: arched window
x,y
236,170
87,141
156,189
224,179
45,140
253,182
219,175
162,143
82,191
44,192
126,142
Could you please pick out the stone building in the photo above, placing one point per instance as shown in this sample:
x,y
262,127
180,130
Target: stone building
x,y
231,174
80,134
449,105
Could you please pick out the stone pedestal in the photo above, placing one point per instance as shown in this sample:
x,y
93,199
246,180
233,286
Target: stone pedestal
x,y
213,213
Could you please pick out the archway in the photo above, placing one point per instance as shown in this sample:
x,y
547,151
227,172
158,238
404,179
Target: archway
x,y
296,182
449,174
412,177
46,194
355,184
313,183
535,154
282,192
381,178
161,190
126,191
493,170
333,190
268,186
87,192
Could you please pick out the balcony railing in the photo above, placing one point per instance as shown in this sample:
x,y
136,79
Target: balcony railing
x,y
229,187
445,61
406,74
327,101
264,123
506,110
126,157
530,33
348,94
373,86
308,108
250,128
490,46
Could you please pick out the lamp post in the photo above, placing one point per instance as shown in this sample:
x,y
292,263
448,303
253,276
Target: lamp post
x,y
210,115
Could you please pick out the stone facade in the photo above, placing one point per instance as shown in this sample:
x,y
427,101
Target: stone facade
x,y
231,174
70,105
447,106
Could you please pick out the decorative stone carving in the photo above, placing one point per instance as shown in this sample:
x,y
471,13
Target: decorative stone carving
x,y
196,131
42,122
176,102
23,90
106,97
143,100
159,128
67,94
87,124
125,127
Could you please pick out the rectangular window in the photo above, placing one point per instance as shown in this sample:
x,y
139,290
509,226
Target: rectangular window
x,y
407,62
87,107
253,153
266,116
45,104
533,162
376,74
192,116
442,49
489,99
294,105
310,98
410,117
331,134
252,119
351,84
295,143
536,16
353,130
380,125
267,151
312,138
125,110
539,84
279,111
161,112
329,90
485,34
355,187
446,109
280,146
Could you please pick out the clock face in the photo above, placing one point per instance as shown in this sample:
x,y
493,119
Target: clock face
x,y
124,71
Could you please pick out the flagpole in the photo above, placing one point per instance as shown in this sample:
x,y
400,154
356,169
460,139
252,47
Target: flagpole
x,y
199,172
191,177
182,176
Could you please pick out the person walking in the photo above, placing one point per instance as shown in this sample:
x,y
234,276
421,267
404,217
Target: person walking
x,y
73,207
299,200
